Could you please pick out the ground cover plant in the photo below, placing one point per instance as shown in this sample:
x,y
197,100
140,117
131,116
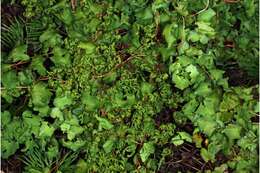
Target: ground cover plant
x,y
129,86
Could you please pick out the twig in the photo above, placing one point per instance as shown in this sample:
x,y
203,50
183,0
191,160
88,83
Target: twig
x,y
190,166
43,78
19,63
117,66
183,31
73,4
171,163
19,87
20,107
231,1
204,9
197,160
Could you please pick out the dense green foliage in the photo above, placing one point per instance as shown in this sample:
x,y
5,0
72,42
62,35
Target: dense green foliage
x,y
83,84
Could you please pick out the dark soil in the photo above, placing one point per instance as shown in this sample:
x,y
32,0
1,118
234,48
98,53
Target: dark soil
x,y
186,158
9,11
164,117
255,119
238,77
12,164
187,127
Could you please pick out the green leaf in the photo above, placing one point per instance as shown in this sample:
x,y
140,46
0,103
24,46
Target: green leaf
x,y
37,65
8,148
146,88
230,101
91,102
33,122
95,8
110,78
170,33
147,149
66,16
183,47
105,124
197,139
62,102
203,89
206,15
185,136
208,106
257,107
46,131
74,130
40,96
5,118
206,61
56,113
190,107
183,77
249,141
250,7
207,125
19,53
180,82
25,77
233,131
166,53
10,80
177,140
144,16
204,39
51,38
159,4
74,146
88,46
206,155
193,72
220,169
82,166
216,74
108,145
180,138
205,28
93,25
61,57
194,36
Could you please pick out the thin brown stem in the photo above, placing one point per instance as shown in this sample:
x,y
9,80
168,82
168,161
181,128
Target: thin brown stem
x,y
204,9
73,4
19,87
118,66
190,166
231,1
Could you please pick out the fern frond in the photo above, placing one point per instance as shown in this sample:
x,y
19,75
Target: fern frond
x,y
34,29
12,34
66,162
20,32
37,159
